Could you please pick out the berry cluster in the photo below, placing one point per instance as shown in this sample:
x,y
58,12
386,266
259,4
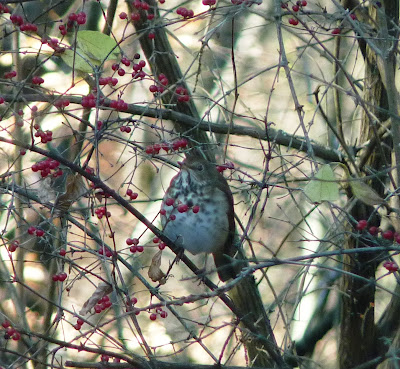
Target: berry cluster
x,y
103,304
119,105
61,103
227,165
156,240
47,167
185,13
106,252
391,266
159,311
13,246
134,245
11,332
4,9
374,231
79,324
161,83
36,80
88,101
296,7
183,95
11,74
73,18
387,235
132,195
60,277
103,81
44,136
125,129
137,67
182,208
140,5
19,22
180,143
101,212
35,231
54,44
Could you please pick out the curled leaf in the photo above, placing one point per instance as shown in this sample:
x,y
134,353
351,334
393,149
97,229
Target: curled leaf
x,y
74,189
324,186
103,289
155,273
365,193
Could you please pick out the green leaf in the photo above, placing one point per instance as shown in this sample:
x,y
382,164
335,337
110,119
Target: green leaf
x,y
97,45
74,60
323,187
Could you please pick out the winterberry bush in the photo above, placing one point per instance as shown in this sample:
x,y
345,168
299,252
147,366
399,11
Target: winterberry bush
x,y
296,104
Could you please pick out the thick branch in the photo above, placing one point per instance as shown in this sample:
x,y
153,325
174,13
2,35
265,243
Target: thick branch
x,y
279,137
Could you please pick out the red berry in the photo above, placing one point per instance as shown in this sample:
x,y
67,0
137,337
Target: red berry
x,y
98,309
353,16
391,266
163,314
295,8
149,150
13,246
303,3
373,230
16,336
153,316
151,36
362,224
153,89
39,232
196,209
133,249
293,21
336,31
31,230
123,15
62,276
55,277
170,201
388,235
6,324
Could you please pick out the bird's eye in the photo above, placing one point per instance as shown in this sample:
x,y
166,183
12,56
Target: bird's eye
x,y
200,167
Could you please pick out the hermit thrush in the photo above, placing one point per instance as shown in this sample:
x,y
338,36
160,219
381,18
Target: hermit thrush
x,y
197,213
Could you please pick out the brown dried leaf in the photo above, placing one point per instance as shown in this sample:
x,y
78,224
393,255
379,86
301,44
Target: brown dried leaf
x,y
74,189
103,289
155,273
365,193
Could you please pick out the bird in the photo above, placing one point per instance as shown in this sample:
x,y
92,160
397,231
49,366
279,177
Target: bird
x,y
197,213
